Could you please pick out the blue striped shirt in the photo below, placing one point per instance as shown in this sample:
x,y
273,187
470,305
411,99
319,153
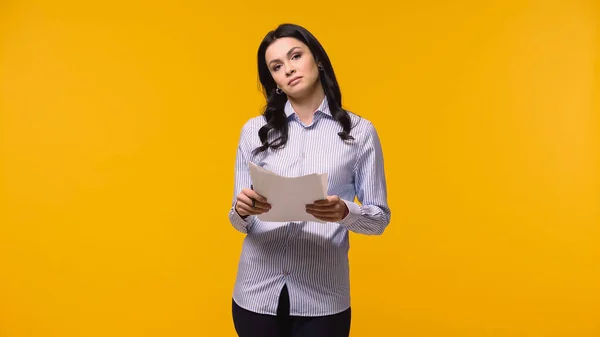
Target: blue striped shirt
x,y
311,258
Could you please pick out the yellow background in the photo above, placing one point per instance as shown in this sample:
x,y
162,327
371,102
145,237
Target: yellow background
x,y
120,120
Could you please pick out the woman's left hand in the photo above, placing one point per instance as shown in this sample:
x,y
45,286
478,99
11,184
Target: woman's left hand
x,y
332,209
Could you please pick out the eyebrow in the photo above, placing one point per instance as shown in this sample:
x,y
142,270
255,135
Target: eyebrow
x,y
288,54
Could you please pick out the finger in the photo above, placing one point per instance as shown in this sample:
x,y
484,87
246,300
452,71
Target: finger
x,y
242,210
323,213
331,216
262,205
249,210
244,199
330,200
253,195
322,203
330,208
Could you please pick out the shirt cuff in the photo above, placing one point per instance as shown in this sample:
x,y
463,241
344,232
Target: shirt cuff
x,y
354,213
241,223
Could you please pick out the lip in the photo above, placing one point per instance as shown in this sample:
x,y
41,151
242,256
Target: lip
x,y
294,80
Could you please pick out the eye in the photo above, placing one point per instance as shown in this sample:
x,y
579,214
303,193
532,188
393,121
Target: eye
x,y
296,56
275,68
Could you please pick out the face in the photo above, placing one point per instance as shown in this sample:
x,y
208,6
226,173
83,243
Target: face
x,y
292,66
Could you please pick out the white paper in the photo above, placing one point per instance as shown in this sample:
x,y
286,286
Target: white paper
x,y
288,196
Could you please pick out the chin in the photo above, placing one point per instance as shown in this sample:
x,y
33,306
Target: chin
x,y
298,94
300,90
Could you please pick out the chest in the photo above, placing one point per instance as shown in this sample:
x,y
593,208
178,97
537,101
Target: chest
x,y
316,149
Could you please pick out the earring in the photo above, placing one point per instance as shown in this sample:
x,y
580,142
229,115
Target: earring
x,y
278,91
321,68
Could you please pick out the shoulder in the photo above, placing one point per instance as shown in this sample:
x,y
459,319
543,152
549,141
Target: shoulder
x,y
254,123
251,126
361,126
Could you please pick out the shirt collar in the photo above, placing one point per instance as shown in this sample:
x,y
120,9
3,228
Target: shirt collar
x,y
323,108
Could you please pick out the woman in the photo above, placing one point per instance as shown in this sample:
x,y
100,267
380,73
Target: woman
x,y
293,278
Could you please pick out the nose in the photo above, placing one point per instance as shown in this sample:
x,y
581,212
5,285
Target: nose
x,y
290,71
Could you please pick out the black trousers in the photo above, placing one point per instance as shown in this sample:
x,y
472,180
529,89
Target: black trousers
x,y
251,324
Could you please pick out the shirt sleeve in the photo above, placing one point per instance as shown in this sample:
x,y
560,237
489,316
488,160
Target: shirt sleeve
x,y
241,180
373,215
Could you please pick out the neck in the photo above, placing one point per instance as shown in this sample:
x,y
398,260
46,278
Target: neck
x,y
305,107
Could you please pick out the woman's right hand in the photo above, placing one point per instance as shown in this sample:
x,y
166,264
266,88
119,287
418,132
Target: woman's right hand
x,y
243,205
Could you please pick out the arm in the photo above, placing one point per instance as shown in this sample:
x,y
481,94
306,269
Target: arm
x,y
241,180
373,215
